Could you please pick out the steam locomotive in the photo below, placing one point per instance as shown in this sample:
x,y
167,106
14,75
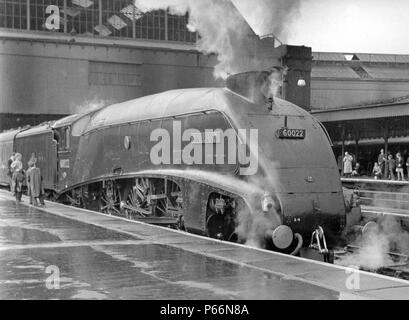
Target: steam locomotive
x,y
171,159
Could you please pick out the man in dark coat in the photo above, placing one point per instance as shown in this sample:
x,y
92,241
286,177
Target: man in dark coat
x,y
382,163
34,183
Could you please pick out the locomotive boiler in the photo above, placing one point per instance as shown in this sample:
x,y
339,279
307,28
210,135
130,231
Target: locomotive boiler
x,y
231,163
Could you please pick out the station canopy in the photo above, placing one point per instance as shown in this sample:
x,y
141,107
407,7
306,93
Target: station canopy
x,y
368,123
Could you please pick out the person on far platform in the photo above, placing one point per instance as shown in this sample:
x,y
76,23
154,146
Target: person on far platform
x,y
377,171
382,163
391,167
347,165
357,171
407,166
399,166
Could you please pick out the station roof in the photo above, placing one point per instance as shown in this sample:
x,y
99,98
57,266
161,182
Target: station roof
x,y
397,107
334,71
363,57
361,72
360,66
372,141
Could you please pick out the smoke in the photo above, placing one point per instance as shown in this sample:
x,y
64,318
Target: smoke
x,y
372,253
376,244
397,237
274,82
253,223
269,16
89,105
224,32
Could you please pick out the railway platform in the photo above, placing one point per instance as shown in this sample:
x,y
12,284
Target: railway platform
x,y
371,184
372,181
388,196
105,257
375,210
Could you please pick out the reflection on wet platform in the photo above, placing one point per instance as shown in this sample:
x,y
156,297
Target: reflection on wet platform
x,y
109,258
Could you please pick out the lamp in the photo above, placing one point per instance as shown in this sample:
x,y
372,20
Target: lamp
x,y
301,82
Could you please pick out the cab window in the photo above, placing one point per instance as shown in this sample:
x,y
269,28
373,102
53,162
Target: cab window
x,y
62,136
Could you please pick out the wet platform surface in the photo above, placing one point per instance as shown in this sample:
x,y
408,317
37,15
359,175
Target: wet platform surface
x,y
103,257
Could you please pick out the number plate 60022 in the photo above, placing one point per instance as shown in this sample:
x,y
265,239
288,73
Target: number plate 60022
x,y
287,133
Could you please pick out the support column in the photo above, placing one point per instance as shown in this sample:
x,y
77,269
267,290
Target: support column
x,y
386,145
357,137
28,14
65,17
100,12
133,22
13,14
386,137
342,149
166,26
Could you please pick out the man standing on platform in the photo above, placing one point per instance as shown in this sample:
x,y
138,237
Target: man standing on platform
x,y
18,177
382,163
34,183
10,171
347,165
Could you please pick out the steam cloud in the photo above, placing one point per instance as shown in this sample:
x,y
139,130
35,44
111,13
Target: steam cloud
x,y
269,16
375,246
223,30
253,223
89,105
